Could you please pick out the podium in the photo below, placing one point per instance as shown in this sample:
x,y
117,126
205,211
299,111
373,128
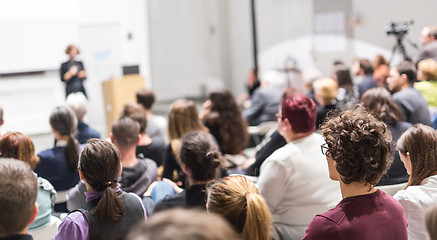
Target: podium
x,y
117,92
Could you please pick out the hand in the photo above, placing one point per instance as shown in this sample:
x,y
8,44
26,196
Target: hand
x,y
81,74
148,193
73,70
176,188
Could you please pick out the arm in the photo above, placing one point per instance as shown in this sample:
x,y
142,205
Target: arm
x,y
170,163
74,227
276,142
321,228
271,183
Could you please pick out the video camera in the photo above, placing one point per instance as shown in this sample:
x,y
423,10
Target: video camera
x,y
398,28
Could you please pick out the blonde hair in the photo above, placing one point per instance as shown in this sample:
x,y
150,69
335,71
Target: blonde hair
x,y
237,199
428,67
327,87
431,222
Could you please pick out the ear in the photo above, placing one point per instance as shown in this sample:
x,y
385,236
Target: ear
x,y
138,139
185,169
34,213
111,136
286,126
404,77
121,168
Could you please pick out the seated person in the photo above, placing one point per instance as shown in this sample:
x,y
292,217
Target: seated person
x,y
147,147
358,151
417,149
325,92
77,102
59,164
137,174
156,125
427,85
291,179
19,146
266,99
199,160
18,207
184,225
110,212
237,199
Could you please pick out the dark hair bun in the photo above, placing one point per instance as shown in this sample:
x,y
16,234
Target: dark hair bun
x,y
213,158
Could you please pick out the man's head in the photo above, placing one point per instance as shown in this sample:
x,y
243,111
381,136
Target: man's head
x,y
297,116
146,98
78,103
18,190
125,133
428,34
137,113
401,76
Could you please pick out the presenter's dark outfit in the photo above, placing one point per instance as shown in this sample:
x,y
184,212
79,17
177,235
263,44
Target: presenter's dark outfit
x,y
75,84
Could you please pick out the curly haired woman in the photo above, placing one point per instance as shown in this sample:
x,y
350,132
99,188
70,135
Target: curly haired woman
x,y
358,151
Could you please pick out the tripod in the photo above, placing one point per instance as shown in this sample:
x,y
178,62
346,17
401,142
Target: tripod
x,y
399,46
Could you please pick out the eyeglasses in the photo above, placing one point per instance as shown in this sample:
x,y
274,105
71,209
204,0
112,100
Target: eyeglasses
x,y
325,149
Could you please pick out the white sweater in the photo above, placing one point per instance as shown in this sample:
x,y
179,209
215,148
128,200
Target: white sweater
x,y
295,182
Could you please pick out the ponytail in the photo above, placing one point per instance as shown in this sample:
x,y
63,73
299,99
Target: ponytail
x,y
257,213
72,153
110,206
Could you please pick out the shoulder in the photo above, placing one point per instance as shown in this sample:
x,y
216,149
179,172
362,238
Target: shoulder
x,y
322,227
74,226
171,201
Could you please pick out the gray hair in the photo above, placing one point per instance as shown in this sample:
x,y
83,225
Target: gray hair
x,y
78,103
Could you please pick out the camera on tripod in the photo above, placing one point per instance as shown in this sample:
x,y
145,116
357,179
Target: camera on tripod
x,y
398,28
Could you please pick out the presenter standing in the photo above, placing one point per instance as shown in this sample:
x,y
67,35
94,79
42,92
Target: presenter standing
x,y
73,72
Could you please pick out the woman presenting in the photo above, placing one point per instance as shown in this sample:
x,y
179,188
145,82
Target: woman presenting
x,y
73,72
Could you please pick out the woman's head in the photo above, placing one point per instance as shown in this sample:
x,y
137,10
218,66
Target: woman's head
x,y
226,114
64,123
343,76
237,199
325,90
379,102
358,147
427,69
18,146
418,150
182,118
199,156
100,167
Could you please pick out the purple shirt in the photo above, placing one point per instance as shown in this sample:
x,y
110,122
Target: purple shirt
x,y
75,225
366,217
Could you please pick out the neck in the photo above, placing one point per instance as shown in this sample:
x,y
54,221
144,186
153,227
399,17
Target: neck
x,y
294,136
128,157
356,189
192,182
62,138
405,86
23,232
144,139
149,113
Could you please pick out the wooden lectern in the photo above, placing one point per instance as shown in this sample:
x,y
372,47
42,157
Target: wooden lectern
x,y
117,92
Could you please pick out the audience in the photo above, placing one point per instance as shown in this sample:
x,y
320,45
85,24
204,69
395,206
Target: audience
x,y
294,180
418,151
237,199
59,164
358,151
184,225
156,125
382,70
411,102
110,212
18,207
78,103
199,159
266,99
182,118
431,223
325,92
347,93
19,146
147,147
378,102
222,116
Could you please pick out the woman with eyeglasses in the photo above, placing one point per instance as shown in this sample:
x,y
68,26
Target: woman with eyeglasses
x,y
358,151
418,151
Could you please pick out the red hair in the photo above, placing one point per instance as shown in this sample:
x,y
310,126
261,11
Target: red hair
x,y
301,113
